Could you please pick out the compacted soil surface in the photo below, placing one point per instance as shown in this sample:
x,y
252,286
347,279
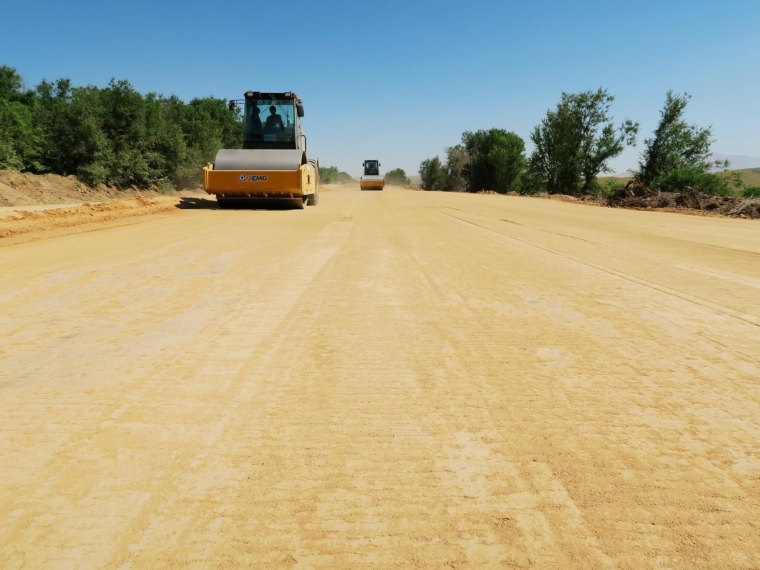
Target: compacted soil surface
x,y
392,379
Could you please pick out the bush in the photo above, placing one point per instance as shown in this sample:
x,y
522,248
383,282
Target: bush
x,y
331,175
93,174
679,179
752,192
398,177
604,188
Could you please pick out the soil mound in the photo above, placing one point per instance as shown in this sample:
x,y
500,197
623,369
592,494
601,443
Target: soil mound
x,y
638,196
25,189
17,222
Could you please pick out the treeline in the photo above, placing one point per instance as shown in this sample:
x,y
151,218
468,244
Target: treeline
x,y
112,135
331,175
573,145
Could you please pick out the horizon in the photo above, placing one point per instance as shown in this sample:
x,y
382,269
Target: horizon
x,y
412,91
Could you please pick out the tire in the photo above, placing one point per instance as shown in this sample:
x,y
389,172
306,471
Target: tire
x,y
223,203
313,199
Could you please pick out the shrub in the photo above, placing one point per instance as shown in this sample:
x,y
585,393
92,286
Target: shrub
x,y
679,179
397,176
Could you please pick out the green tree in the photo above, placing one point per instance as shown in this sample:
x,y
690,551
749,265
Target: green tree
x,y
574,143
112,135
457,159
496,160
331,175
11,84
433,174
397,176
19,140
678,155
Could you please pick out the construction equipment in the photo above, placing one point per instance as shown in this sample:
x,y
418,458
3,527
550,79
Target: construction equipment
x,y
372,179
272,165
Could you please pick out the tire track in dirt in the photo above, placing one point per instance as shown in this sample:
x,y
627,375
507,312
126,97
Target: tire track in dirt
x,y
747,318
374,383
136,406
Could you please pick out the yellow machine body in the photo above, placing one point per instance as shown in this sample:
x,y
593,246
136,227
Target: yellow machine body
x,y
372,183
261,183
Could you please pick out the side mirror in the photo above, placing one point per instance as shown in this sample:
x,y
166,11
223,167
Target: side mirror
x,y
232,105
299,110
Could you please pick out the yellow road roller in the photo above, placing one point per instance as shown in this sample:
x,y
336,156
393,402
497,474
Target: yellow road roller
x,y
272,167
371,180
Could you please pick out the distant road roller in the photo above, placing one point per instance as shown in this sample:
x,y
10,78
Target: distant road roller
x,y
272,166
371,180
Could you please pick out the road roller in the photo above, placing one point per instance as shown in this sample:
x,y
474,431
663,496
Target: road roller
x,y
272,167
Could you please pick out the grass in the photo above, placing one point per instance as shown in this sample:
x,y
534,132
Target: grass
x,y
750,177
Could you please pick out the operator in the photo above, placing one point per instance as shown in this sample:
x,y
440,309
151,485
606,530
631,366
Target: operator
x,y
274,121
256,120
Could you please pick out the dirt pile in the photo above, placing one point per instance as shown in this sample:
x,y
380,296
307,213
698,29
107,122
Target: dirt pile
x,y
17,222
641,197
25,189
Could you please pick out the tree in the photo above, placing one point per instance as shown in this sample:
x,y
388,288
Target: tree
x,y
17,137
457,159
433,174
19,140
679,154
575,142
397,176
496,160
11,84
331,175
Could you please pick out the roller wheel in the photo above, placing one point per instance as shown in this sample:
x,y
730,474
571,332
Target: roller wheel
x,y
313,199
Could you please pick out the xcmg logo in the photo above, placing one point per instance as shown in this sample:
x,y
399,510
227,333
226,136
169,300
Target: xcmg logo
x,y
252,178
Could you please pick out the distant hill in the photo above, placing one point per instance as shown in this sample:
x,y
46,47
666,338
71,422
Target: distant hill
x,y
751,177
738,161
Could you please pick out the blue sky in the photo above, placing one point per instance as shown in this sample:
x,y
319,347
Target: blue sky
x,y
401,80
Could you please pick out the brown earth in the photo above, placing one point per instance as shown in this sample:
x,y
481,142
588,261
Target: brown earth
x,y
389,379
641,197
16,222
24,189
27,203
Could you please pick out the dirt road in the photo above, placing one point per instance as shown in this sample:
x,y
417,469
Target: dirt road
x,y
393,378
